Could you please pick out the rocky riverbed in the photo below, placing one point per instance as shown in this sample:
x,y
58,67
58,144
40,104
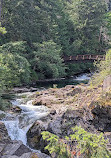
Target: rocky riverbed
x,y
15,149
71,106
67,107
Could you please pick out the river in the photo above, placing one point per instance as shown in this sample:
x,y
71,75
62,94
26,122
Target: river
x,y
74,80
18,124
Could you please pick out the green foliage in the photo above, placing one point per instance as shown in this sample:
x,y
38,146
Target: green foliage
x,y
43,31
108,22
87,144
14,68
87,18
3,30
55,145
18,47
47,60
79,68
103,70
92,145
75,24
27,21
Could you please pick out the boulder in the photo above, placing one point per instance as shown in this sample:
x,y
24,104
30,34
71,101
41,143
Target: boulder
x,y
55,126
4,138
20,90
32,89
102,117
80,117
24,89
60,125
15,149
34,137
47,100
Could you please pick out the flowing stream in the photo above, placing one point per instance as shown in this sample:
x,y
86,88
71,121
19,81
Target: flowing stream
x,y
18,124
83,77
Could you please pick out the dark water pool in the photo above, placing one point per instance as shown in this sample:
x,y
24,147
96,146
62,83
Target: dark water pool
x,y
84,78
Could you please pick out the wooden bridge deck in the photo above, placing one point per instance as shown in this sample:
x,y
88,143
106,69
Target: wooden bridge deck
x,y
83,57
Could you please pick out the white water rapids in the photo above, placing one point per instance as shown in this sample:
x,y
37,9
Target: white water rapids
x,y
18,125
83,77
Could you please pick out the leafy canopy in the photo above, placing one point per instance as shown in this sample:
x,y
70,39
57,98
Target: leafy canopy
x,y
14,68
47,60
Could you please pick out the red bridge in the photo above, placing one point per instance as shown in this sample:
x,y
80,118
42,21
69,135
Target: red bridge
x,y
83,57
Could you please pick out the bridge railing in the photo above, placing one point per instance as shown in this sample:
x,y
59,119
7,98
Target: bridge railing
x,y
84,57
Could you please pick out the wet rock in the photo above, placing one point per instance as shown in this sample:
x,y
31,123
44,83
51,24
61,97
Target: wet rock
x,y
34,137
32,89
24,89
16,109
4,138
15,149
8,147
27,155
20,90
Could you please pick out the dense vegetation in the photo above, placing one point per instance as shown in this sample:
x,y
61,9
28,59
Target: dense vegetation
x,y
41,32
103,69
80,143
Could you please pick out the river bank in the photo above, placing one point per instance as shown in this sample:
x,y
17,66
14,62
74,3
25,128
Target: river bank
x,y
72,105
56,110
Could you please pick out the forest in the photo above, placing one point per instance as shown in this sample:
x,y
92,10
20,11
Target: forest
x,y
37,34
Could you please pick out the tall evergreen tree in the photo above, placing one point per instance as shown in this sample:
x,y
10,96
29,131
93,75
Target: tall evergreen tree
x,y
88,18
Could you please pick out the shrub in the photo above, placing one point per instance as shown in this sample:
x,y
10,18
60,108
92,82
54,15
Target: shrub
x,y
103,70
81,142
